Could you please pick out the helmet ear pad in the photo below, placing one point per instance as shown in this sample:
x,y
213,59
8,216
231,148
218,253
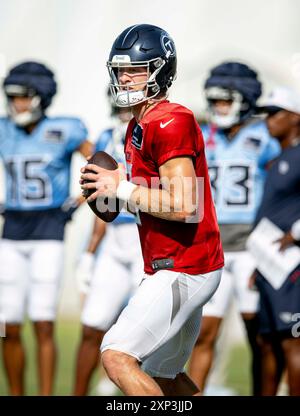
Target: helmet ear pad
x,y
165,76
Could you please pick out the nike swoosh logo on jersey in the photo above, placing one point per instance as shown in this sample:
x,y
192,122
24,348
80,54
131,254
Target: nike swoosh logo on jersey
x,y
163,125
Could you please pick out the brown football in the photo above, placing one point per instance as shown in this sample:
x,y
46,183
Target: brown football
x,y
105,208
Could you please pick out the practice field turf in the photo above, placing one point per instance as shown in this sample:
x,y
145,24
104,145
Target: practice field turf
x,y
68,335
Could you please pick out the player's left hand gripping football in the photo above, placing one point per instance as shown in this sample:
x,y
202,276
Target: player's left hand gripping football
x,y
105,182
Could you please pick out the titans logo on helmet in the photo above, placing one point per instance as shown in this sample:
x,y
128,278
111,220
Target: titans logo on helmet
x,y
168,44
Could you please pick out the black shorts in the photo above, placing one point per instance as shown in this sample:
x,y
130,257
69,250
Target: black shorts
x,y
277,308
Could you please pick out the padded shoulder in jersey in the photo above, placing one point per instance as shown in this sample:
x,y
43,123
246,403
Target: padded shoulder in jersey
x,y
175,133
165,109
269,146
71,130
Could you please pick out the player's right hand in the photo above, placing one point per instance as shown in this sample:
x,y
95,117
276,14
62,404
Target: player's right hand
x,y
84,272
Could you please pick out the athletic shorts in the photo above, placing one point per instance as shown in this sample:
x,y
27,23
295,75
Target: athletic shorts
x,y
117,273
279,310
30,278
161,323
234,284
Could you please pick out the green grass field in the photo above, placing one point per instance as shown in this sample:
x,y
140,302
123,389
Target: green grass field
x,y
68,333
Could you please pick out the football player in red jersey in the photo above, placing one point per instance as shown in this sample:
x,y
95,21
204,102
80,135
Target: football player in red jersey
x,y
145,352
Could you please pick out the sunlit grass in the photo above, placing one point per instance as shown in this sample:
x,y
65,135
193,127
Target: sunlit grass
x,y
68,336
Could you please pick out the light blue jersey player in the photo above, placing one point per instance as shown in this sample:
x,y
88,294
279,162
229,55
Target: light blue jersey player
x,y
109,278
237,169
36,151
238,150
37,165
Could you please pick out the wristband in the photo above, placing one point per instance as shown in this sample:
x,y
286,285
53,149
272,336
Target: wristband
x,y
125,190
295,230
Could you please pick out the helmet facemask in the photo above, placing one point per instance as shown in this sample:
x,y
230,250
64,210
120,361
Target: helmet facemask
x,y
235,109
123,94
27,117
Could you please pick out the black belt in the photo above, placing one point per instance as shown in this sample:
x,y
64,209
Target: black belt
x,y
162,264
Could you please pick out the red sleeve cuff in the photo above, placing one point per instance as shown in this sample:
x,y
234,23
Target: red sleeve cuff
x,y
175,153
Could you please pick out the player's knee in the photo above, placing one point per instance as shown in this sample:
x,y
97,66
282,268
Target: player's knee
x,y
206,339
111,363
12,333
91,335
209,331
265,345
291,348
44,331
116,363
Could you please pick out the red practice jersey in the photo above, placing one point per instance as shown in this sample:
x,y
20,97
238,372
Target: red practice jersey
x,y
168,131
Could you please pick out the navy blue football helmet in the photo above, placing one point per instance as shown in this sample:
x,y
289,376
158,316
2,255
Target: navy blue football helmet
x,y
234,82
29,79
143,46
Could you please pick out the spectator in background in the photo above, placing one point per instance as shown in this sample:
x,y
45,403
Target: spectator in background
x,y
279,308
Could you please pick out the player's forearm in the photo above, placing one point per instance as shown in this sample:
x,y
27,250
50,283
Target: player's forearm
x,y
86,148
162,204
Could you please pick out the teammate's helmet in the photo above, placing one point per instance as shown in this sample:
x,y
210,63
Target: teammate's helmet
x,y
235,82
144,46
29,79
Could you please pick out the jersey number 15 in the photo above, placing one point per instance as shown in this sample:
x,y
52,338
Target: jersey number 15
x,y
30,184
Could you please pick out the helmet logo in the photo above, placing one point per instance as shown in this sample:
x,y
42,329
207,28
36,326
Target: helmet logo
x,y
121,58
168,45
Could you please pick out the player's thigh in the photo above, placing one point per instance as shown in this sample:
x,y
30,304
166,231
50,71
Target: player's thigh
x,y
243,267
46,274
170,359
218,305
109,291
158,310
13,281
